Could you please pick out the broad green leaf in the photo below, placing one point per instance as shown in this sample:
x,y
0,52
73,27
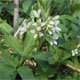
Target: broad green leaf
x,y
69,45
26,73
8,59
43,64
5,28
27,6
13,43
41,55
63,28
74,29
28,44
70,18
7,72
41,77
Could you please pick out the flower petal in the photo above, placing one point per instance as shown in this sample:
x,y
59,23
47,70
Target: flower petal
x,y
41,34
32,31
51,42
39,11
56,17
34,24
55,42
35,35
50,32
51,22
38,28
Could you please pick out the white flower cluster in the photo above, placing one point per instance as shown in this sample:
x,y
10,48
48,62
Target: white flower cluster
x,y
50,26
39,27
53,29
23,28
75,51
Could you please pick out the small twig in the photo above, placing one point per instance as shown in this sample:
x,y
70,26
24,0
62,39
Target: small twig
x,y
73,68
40,44
16,13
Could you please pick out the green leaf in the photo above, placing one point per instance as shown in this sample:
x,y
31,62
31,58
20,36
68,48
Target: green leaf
x,y
26,73
42,4
66,55
7,72
41,77
28,44
63,28
70,18
43,64
41,55
8,59
5,28
13,43
74,29
27,5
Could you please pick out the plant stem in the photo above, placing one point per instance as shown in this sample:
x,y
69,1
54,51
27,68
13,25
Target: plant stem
x,y
73,68
16,13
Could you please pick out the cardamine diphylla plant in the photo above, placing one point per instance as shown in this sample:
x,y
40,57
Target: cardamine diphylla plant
x,y
40,27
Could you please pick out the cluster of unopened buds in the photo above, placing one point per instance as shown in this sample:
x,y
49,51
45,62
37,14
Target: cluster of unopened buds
x,y
75,51
39,27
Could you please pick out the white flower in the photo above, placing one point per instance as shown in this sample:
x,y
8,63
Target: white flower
x,y
21,33
55,36
56,22
41,34
74,52
34,24
48,18
39,24
24,24
32,31
56,17
57,29
37,13
39,20
51,42
55,42
38,28
35,35
29,23
43,24
50,32
52,22
49,26
22,29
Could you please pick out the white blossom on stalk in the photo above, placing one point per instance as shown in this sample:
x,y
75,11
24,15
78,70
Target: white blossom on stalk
x,y
32,31
38,23
24,28
38,27
74,52
41,34
35,35
53,39
37,13
56,17
50,32
52,22
56,22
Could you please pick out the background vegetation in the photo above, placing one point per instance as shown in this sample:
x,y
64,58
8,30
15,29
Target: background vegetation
x,y
22,59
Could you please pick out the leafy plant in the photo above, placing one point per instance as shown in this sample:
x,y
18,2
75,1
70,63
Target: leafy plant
x,y
46,44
